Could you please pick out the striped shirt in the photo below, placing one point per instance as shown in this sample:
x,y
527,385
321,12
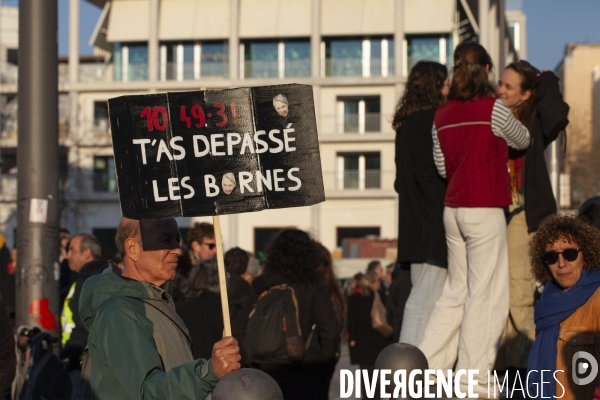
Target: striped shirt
x,y
504,125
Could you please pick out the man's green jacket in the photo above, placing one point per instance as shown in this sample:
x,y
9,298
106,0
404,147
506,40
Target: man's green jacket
x,y
137,351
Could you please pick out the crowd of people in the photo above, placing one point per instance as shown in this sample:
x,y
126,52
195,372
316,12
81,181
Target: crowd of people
x,y
479,240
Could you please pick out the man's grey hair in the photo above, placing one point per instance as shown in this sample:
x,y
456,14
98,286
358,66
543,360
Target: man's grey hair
x,y
89,241
128,228
280,98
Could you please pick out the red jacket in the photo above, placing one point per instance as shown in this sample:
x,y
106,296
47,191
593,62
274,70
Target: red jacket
x,y
476,159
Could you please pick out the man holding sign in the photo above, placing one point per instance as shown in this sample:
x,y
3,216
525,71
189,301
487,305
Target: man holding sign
x,y
138,345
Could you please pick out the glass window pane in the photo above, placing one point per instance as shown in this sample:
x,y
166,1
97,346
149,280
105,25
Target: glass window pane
x,y
351,162
351,178
261,60
375,61
372,161
297,58
344,57
351,116
138,62
375,48
188,61
214,59
118,61
423,48
372,115
111,174
372,171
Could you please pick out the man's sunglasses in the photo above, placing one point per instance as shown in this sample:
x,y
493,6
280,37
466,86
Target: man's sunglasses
x,y
211,246
551,257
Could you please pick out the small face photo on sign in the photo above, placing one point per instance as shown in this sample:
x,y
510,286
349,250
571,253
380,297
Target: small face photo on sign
x,y
281,105
228,183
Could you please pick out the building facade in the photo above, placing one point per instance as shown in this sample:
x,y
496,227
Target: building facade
x,y
579,73
356,54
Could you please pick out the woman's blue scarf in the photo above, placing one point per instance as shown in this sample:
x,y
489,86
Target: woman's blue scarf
x,y
555,306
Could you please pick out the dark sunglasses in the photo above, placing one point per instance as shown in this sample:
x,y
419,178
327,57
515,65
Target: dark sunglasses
x,y
211,246
551,257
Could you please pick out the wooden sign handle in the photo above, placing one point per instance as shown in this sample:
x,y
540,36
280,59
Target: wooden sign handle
x,y
222,276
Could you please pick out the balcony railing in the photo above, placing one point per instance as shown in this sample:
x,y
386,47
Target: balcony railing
x,y
88,73
8,186
356,179
191,71
356,123
9,74
412,60
271,69
359,67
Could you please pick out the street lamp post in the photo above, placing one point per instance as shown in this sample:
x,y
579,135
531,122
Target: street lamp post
x,y
37,160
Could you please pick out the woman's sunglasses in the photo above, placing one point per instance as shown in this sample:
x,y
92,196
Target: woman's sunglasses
x,y
551,257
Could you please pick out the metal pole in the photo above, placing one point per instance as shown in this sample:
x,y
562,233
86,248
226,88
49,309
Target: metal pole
x,y
37,158
553,163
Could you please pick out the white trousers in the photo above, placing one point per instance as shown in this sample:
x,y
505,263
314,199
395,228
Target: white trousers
x,y
427,286
469,317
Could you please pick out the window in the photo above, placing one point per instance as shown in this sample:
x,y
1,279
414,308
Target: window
x,y
276,59
358,115
359,57
105,178
191,60
428,48
359,171
515,34
101,114
356,233
213,59
130,61
177,61
12,56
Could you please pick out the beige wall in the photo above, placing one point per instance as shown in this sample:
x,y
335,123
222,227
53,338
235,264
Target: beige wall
x,y
420,18
579,65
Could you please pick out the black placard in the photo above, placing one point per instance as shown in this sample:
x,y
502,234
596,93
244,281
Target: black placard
x,y
216,152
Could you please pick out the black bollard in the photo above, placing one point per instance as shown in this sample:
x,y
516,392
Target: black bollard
x,y
401,356
247,384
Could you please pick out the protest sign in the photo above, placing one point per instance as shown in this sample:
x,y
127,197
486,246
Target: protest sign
x,y
213,152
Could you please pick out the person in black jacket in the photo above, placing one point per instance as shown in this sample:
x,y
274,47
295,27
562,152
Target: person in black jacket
x,y
202,311
293,259
84,257
421,235
238,290
535,99
365,342
8,358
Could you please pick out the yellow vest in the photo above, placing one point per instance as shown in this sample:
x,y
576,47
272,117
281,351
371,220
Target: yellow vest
x,y
66,317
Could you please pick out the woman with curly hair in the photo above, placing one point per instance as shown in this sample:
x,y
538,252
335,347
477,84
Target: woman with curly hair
x,y
565,250
421,236
293,259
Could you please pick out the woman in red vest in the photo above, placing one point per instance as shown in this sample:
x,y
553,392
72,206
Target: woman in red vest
x,y
471,134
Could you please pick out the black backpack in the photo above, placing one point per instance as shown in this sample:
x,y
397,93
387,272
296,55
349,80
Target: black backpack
x,y
273,335
46,376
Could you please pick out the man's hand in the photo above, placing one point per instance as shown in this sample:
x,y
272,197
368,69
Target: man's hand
x,y
226,356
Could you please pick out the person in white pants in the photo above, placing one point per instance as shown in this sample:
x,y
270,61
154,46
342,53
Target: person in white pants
x,y
470,136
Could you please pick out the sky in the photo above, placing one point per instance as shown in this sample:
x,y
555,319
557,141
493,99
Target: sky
x,y
551,24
